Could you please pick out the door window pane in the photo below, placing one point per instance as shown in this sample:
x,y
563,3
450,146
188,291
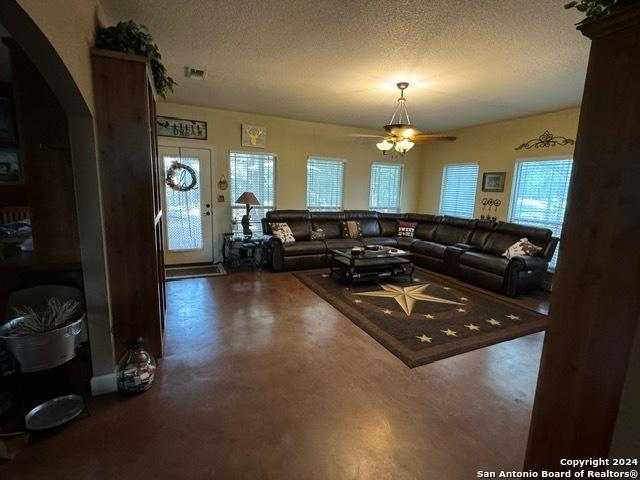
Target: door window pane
x,y
183,210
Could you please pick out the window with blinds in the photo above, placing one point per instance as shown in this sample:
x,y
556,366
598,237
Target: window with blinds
x,y
384,193
252,172
540,194
458,192
324,184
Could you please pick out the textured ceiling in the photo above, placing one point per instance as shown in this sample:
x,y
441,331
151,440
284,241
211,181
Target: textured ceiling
x,y
469,62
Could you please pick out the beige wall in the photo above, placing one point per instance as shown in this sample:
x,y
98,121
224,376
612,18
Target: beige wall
x,y
293,142
70,27
493,147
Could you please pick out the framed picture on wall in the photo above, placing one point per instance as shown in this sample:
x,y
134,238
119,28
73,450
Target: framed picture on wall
x,y
493,181
254,136
10,168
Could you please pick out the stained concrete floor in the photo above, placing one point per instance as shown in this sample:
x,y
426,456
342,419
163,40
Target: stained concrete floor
x,y
262,379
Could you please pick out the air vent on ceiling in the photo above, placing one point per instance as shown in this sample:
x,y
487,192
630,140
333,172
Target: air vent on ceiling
x,y
197,73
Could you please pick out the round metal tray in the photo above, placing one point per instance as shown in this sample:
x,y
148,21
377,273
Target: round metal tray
x,y
54,412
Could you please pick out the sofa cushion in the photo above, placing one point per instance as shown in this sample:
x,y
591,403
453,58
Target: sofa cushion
x,y
386,241
431,249
454,230
481,233
368,221
330,222
485,261
427,225
299,221
306,247
351,229
506,234
405,242
389,223
343,243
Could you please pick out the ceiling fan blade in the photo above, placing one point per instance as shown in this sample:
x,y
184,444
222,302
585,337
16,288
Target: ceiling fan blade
x,y
423,137
364,135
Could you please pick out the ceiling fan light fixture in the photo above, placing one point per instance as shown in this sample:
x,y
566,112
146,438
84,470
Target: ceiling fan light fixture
x,y
403,146
384,146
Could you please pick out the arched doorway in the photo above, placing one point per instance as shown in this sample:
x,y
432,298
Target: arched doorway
x,y
77,106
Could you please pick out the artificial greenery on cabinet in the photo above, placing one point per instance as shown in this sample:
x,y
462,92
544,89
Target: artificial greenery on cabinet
x,y
595,9
129,37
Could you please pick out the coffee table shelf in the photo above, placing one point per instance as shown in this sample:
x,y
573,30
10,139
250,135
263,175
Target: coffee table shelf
x,y
370,265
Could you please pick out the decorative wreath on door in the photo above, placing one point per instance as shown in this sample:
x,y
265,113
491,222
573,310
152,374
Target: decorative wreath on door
x,y
181,177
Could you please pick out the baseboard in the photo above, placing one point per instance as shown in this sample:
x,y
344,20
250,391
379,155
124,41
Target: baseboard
x,y
104,384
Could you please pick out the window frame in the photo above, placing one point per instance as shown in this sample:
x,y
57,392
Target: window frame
x,y
233,205
442,184
306,191
514,186
400,187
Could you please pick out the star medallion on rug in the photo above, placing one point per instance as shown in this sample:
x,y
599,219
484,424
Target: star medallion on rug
x,y
428,319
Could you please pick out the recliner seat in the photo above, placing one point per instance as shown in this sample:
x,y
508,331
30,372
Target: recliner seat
x,y
467,249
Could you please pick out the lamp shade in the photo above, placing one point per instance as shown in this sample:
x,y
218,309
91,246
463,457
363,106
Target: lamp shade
x,y
248,198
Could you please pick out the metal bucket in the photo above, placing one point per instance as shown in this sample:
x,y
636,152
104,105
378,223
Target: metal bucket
x,y
41,351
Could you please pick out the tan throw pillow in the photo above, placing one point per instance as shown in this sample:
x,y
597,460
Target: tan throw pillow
x,y
351,229
522,247
317,234
283,232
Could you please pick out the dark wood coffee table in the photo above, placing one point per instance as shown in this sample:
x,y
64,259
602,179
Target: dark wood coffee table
x,y
371,265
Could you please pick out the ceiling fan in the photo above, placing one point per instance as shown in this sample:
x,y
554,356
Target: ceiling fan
x,y
401,135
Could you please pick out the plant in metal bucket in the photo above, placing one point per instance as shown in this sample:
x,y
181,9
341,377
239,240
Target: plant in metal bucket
x,y
29,322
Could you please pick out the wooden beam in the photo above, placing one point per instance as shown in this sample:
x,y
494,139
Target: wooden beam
x,y
595,304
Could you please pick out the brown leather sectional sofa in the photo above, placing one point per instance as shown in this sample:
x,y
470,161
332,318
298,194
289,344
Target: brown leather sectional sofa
x,y
467,249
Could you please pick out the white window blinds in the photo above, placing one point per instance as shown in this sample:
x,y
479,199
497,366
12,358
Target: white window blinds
x,y
540,194
252,172
458,193
384,193
324,184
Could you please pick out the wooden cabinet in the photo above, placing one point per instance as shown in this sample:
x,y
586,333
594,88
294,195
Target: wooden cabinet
x,y
129,186
595,305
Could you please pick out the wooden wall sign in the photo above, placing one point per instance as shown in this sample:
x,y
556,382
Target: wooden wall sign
x,y
181,128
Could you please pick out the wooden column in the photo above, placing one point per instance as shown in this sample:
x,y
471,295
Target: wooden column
x,y
595,306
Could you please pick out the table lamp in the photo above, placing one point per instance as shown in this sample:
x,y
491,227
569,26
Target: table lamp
x,y
249,199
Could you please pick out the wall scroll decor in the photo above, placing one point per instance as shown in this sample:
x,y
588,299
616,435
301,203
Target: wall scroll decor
x,y
493,181
181,128
492,203
254,136
547,139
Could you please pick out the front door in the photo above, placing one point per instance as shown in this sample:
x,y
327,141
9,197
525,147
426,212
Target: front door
x,y
186,174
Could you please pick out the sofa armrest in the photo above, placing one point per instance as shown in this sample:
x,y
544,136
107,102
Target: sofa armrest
x,y
273,251
271,240
528,263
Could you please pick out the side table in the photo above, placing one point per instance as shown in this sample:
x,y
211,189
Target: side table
x,y
238,250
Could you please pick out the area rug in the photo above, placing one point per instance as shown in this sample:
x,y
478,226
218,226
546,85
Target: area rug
x,y
179,273
427,319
